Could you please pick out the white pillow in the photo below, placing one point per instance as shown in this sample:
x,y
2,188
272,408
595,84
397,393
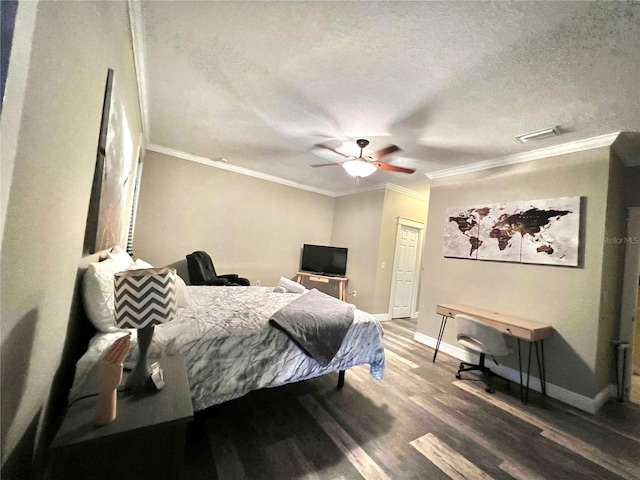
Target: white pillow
x,y
98,291
121,256
182,293
291,286
139,264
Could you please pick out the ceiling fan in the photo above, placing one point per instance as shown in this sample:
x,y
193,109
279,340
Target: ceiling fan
x,y
363,166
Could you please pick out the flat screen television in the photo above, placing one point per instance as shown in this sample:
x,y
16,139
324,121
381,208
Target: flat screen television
x,y
324,260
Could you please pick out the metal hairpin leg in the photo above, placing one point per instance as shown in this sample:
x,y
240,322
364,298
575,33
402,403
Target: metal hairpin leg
x,y
520,370
541,370
443,324
524,392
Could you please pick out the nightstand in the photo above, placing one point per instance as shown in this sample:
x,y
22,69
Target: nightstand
x,y
334,286
146,440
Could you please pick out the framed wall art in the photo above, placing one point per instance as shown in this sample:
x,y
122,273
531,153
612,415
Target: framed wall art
x,y
537,231
108,204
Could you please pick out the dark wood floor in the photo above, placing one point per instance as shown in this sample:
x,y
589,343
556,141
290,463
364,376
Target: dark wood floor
x,y
418,423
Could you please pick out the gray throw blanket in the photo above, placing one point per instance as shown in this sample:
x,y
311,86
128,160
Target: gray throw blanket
x,y
316,322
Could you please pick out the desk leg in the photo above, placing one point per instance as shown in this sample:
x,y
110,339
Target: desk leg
x,y
520,370
443,324
524,391
541,367
526,394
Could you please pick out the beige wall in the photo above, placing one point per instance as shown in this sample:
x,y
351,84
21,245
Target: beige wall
x,y
251,227
396,204
357,224
567,298
257,228
73,45
366,224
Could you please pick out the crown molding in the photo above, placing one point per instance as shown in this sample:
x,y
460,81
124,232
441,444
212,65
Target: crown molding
x,y
572,147
353,191
383,186
235,169
581,145
578,146
270,178
406,191
139,60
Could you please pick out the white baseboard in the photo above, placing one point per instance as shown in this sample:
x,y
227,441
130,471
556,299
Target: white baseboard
x,y
590,405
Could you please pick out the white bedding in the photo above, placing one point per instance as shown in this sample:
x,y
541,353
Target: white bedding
x,y
230,349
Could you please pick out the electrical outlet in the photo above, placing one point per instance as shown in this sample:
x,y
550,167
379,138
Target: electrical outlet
x,y
383,265
258,282
354,294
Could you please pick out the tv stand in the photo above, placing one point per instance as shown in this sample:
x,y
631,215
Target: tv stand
x,y
331,285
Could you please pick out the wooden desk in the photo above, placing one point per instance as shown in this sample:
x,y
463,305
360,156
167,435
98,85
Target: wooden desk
x,y
521,328
146,440
334,286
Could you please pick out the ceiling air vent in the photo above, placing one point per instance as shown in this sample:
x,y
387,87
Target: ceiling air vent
x,y
539,134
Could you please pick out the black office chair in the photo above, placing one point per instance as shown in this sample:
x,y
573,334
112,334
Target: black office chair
x,y
202,272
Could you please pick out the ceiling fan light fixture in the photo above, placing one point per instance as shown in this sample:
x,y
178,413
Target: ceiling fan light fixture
x,y
538,134
358,167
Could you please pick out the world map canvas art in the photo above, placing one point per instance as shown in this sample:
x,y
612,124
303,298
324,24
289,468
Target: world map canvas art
x,y
536,231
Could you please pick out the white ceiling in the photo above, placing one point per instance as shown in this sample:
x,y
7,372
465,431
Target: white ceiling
x,y
452,83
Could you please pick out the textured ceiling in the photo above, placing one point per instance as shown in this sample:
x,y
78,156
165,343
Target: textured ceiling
x,y
451,83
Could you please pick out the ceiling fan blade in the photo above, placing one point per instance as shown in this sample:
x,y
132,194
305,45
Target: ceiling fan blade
x,y
327,164
393,168
384,152
331,150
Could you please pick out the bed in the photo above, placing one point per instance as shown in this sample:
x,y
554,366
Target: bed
x,y
231,348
